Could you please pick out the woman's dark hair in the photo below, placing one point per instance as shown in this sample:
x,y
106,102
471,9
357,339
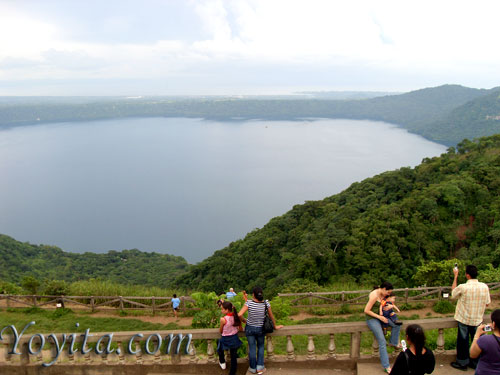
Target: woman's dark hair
x,y
175,295
416,336
229,306
258,293
495,317
385,285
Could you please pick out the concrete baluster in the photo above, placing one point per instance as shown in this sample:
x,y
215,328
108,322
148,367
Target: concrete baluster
x,y
355,344
192,353
87,358
331,347
121,353
210,351
440,341
25,355
6,357
270,348
39,358
138,356
289,348
310,348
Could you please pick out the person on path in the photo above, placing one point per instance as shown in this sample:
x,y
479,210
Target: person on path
x,y
375,320
175,304
472,299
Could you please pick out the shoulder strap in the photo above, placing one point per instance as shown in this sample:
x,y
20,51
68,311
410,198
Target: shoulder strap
x,y
497,339
407,356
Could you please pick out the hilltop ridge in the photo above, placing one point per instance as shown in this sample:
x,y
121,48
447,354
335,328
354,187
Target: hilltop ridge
x,y
430,112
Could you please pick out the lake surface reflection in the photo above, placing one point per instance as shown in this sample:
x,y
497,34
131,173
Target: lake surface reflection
x,y
181,186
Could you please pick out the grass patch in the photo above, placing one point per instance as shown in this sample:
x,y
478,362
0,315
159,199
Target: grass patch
x,y
64,320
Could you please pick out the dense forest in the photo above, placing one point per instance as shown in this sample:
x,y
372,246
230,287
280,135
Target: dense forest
x,y
384,227
446,114
19,260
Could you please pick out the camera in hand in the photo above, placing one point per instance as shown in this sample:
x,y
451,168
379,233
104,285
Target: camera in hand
x,y
487,328
403,345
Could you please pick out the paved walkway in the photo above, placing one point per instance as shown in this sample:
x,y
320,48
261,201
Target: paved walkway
x,y
442,368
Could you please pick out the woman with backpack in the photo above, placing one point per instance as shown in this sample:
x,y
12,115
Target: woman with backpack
x,y
416,359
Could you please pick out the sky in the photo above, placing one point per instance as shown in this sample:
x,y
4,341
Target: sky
x,y
237,47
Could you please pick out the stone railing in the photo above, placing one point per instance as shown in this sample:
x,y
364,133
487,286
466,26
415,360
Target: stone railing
x,y
130,347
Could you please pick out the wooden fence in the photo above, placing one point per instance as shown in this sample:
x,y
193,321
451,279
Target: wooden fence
x,y
359,297
93,303
155,304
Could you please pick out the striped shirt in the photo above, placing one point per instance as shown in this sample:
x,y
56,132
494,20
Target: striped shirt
x,y
473,297
256,312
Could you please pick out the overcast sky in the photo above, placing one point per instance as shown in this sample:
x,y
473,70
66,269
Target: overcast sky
x,y
169,47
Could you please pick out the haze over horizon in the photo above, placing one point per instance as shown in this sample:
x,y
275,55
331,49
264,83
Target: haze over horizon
x,y
244,47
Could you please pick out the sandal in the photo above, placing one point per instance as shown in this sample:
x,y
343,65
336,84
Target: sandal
x,y
387,370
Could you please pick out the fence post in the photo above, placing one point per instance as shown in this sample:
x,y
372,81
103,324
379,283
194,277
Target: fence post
x,y
121,303
153,307
406,295
92,303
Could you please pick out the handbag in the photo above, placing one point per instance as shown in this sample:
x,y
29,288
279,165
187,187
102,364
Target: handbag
x,y
268,326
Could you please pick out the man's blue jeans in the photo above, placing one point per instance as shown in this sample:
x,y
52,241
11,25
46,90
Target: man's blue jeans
x,y
256,341
375,326
463,334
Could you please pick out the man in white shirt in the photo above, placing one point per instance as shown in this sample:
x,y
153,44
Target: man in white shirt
x,y
472,299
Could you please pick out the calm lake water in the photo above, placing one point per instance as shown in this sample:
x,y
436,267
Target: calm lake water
x,y
181,186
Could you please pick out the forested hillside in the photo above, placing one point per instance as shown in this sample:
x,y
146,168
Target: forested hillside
x,y
128,267
477,118
381,228
430,112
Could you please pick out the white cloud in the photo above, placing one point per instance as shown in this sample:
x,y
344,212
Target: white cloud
x,y
452,38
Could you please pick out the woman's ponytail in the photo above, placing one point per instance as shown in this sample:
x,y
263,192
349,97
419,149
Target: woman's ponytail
x,y
237,321
416,336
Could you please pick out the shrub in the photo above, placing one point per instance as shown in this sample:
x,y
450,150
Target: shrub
x,y
443,307
208,316
30,284
281,308
345,309
9,288
56,288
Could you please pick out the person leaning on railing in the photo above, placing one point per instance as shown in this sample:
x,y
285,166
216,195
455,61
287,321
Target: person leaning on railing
x,y
487,347
416,359
375,320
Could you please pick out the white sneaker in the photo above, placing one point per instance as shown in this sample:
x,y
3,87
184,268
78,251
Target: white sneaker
x,y
222,365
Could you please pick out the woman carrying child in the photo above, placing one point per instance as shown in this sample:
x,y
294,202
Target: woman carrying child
x,y
375,320
230,325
